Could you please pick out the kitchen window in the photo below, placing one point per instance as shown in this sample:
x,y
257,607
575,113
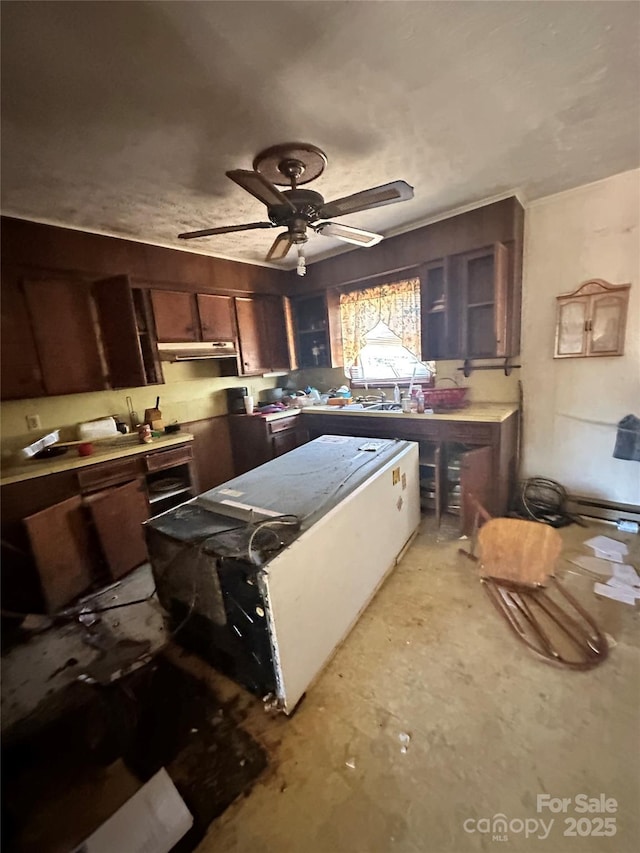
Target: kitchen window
x,y
381,334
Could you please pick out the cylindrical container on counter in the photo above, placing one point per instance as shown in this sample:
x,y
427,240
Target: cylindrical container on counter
x,y
235,400
144,434
420,402
405,402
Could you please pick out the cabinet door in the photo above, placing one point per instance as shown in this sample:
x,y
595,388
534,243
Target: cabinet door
x,y
118,514
440,310
21,374
216,317
571,327
607,324
66,338
174,314
475,479
275,333
311,331
283,442
249,334
118,327
59,540
483,276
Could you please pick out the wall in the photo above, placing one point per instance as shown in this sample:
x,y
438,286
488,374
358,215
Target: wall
x,y
572,406
191,392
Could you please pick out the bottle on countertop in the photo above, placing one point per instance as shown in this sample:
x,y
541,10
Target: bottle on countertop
x,y
420,401
396,393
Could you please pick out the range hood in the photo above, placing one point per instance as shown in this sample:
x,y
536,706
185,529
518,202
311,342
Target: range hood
x,y
196,350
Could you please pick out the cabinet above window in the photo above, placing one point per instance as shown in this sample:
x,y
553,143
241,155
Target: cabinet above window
x,y
468,307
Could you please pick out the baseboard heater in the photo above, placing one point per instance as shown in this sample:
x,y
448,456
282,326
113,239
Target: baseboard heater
x,y
607,510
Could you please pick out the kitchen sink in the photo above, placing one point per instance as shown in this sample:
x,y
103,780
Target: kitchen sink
x,y
382,407
370,407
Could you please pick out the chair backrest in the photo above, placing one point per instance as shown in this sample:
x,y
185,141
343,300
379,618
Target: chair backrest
x,y
518,550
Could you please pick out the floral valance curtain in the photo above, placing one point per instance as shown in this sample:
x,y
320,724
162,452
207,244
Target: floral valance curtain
x,y
396,304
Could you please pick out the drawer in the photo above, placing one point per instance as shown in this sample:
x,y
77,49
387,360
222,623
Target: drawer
x,y
108,474
470,433
168,458
283,424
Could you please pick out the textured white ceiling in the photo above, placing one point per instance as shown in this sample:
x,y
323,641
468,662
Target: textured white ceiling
x,y
121,118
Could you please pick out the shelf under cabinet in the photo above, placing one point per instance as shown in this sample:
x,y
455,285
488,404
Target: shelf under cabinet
x,y
162,496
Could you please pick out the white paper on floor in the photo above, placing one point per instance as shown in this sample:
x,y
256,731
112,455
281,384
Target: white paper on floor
x,y
613,556
626,574
624,583
629,590
625,595
593,564
607,548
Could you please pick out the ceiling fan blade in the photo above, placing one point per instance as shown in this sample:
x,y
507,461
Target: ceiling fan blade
x,y
365,200
349,234
224,229
280,247
259,186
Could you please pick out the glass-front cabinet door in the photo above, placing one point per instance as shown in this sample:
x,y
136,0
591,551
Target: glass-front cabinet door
x,y
571,333
608,316
591,321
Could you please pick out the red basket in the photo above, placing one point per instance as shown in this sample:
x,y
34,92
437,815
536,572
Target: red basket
x,y
445,398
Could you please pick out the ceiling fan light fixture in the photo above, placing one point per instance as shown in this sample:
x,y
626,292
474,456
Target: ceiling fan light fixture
x,y
301,267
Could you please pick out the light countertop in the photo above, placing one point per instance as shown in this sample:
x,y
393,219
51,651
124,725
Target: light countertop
x,y
103,451
475,412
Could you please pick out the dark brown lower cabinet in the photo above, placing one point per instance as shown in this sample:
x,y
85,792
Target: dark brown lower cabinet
x,y
256,440
118,514
61,548
66,532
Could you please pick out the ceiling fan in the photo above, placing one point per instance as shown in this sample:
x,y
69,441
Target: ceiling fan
x,y
292,164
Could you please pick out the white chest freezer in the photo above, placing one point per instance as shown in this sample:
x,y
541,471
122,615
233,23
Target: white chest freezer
x,y
266,574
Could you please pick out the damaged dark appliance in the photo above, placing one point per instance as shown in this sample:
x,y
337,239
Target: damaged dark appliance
x,y
265,575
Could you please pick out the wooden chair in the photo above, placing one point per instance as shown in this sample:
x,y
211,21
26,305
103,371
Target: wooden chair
x,y
517,561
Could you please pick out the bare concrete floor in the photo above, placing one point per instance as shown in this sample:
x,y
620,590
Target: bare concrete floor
x,y
490,728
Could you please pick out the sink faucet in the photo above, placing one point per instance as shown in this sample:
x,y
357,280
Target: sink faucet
x,y
383,396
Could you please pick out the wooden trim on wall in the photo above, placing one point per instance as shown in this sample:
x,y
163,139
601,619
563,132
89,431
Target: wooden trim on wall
x,y
500,222
48,250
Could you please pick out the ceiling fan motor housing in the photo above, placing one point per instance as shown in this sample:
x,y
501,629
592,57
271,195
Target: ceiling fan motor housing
x,y
306,202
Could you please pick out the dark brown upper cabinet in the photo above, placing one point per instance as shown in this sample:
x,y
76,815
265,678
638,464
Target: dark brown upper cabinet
x,y
181,317
65,335
311,327
21,373
467,309
262,334
439,304
483,284
175,316
217,318
126,329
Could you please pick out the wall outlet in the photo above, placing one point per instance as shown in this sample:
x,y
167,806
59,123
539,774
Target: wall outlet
x,y
33,422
